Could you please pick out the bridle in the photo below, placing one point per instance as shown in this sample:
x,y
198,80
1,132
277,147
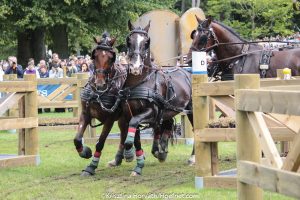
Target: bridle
x,y
209,34
138,52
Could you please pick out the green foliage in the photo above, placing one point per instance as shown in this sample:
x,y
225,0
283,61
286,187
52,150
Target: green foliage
x,y
254,18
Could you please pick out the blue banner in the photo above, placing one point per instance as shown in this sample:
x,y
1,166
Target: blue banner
x,y
46,90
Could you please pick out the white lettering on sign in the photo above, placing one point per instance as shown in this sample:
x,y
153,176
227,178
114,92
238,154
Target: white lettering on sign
x,y
43,93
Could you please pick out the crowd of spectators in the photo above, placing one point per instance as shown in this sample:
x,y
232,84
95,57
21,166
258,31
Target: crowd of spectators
x,y
53,68
278,41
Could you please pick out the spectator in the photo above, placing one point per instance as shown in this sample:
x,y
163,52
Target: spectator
x,y
43,72
31,68
55,61
71,68
1,72
84,67
13,67
1,75
56,71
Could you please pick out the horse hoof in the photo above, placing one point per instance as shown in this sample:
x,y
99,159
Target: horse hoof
x,y
129,155
155,154
134,174
86,174
162,157
86,152
112,163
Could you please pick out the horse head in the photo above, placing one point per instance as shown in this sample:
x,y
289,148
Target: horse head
x,y
138,47
204,36
104,57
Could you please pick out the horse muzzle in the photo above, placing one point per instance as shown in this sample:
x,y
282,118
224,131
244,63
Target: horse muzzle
x,y
136,70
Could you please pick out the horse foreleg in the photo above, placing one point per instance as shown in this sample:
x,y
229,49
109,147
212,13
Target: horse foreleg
x,y
133,124
83,151
90,169
123,126
140,158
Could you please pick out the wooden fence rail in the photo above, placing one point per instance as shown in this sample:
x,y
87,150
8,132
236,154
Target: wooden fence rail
x,y
24,94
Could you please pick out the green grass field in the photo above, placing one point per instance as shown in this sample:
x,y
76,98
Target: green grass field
x,y
58,175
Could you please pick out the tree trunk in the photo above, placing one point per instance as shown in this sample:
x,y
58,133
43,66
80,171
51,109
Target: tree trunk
x,y
38,44
24,47
60,40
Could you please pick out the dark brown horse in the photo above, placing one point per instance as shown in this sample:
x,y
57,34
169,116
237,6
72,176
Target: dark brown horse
x,y
99,100
152,96
236,55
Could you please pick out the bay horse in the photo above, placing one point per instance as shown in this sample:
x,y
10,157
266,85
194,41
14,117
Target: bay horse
x,y
151,96
99,100
236,55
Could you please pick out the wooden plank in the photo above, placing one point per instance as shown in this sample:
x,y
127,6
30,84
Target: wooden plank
x,y
271,122
201,117
58,104
56,92
17,86
65,93
229,134
274,180
216,134
54,81
18,123
42,99
225,110
225,100
57,121
290,121
283,88
214,88
21,139
248,147
58,128
264,136
292,162
220,182
272,101
28,160
227,87
10,101
274,82
31,111
214,158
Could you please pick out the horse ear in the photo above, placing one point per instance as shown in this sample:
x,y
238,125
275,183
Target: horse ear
x,y
209,20
130,26
147,27
96,39
198,19
193,34
112,41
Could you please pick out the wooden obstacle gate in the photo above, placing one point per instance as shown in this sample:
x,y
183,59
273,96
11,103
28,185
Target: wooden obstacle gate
x,y
208,96
24,94
254,136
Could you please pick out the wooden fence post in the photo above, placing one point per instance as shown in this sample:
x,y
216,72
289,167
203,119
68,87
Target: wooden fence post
x,y
201,116
284,146
31,110
248,147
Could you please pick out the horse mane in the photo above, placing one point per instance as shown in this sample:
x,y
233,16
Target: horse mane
x,y
230,30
